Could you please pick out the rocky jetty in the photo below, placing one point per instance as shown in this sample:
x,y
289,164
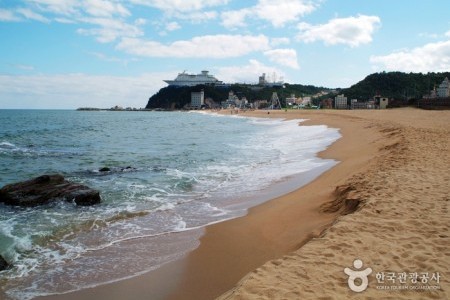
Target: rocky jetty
x,y
47,188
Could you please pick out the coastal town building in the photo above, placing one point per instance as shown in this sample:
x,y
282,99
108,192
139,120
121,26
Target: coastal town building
x,y
197,99
327,103
263,81
381,102
355,104
232,100
443,91
291,100
305,101
340,102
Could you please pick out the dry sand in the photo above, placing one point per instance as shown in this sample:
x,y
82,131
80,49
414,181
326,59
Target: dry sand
x,y
401,223
385,203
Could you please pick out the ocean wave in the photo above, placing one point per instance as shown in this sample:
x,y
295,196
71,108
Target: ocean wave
x,y
8,148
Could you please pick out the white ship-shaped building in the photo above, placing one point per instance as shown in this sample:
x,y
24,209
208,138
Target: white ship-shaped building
x,y
184,79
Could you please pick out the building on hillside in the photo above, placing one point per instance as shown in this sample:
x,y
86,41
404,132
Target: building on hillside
x,y
197,99
260,104
340,102
263,81
304,101
355,104
232,100
381,102
443,91
326,103
291,100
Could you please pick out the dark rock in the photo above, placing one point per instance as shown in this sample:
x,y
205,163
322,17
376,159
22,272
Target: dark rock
x,y
3,264
45,189
110,170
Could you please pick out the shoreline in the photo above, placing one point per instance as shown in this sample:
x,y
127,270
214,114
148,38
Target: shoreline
x,y
276,227
230,250
161,284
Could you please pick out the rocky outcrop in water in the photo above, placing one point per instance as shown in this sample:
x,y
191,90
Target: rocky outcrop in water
x,y
45,189
3,264
109,170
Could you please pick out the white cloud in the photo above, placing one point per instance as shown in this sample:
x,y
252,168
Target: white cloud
x,y
283,11
65,21
235,18
140,22
172,26
110,29
432,57
171,6
31,15
77,8
248,73
352,31
103,8
284,57
211,46
60,7
278,13
77,90
447,33
8,16
197,16
280,41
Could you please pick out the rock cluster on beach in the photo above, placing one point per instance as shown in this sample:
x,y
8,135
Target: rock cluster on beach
x,y
47,188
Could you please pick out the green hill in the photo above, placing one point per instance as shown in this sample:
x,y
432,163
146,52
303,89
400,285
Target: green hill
x,y
176,97
404,88
395,85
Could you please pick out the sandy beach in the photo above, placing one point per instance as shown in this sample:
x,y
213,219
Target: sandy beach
x,y
385,203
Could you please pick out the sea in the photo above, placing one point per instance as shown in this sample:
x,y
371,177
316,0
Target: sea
x,y
169,175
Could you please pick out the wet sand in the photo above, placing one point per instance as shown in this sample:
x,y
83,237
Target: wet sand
x,y
385,203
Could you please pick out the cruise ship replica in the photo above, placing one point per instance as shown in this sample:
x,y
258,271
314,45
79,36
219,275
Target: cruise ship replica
x,y
185,79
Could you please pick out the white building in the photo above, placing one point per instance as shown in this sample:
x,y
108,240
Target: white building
x,y
197,99
443,91
262,80
232,100
340,102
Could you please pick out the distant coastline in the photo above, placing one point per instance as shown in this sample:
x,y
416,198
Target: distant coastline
x,y
116,108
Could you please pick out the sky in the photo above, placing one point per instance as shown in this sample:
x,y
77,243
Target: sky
x,y
64,54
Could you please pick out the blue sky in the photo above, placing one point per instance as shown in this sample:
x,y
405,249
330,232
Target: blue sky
x,y
101,53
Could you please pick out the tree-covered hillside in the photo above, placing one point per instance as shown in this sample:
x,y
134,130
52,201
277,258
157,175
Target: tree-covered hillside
x,y
405,88
177,97
396,85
